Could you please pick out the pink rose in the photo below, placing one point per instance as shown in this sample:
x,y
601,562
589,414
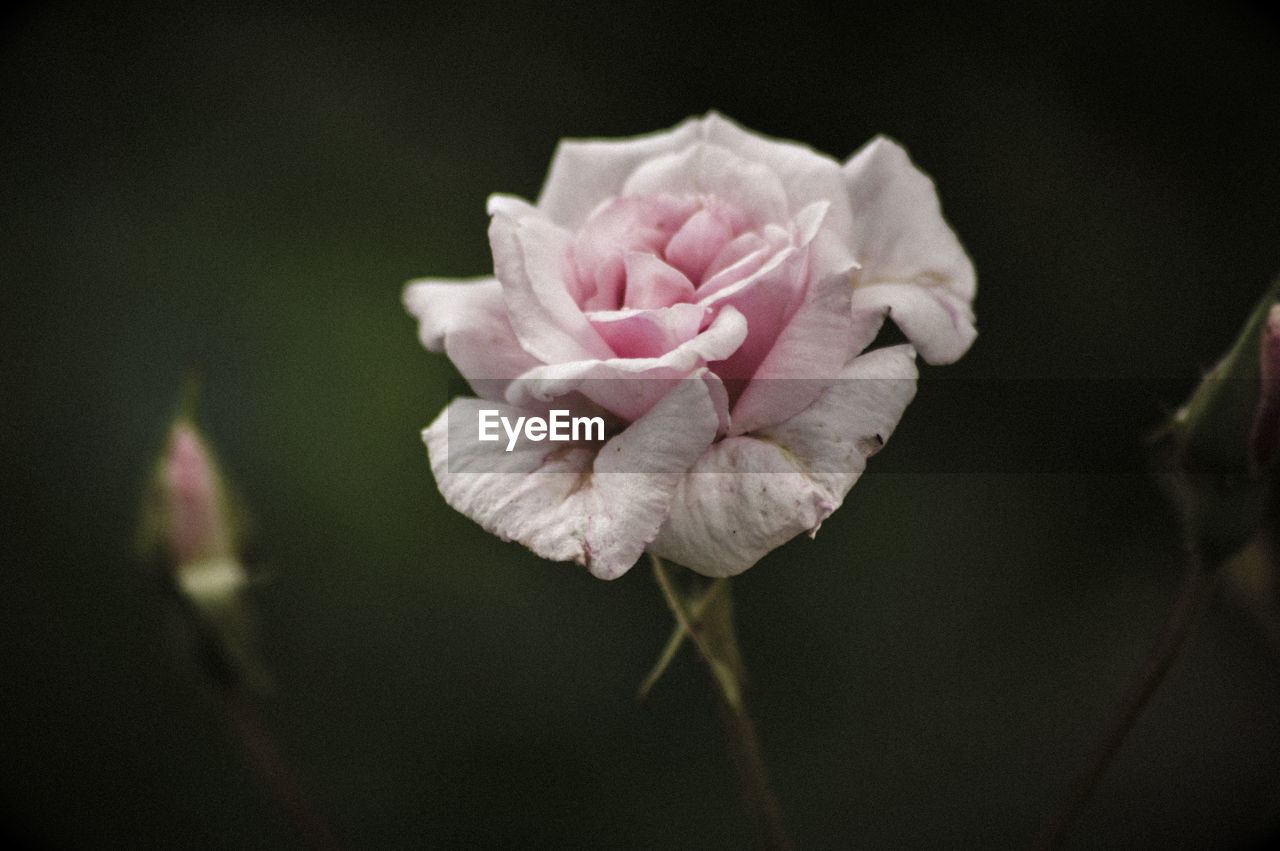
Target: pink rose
x,y
708,294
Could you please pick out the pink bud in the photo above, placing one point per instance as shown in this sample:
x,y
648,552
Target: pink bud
x,y
1265,437
198,526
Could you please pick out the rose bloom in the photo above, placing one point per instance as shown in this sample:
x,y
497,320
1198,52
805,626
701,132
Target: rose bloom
x,y
711,293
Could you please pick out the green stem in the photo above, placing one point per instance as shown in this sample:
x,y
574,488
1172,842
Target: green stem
x,y
678,634
708,623
1190,607
233,680
274,770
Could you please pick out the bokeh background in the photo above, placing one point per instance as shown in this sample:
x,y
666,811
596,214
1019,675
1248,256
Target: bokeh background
x,y
244,188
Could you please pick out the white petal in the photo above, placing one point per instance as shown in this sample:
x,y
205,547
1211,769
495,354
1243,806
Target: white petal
x,y
935,320
750,494
808,175
468,321
913,266
585,172
704,169
572,503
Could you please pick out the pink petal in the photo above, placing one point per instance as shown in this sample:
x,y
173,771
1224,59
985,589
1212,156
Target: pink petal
x,y
750,494
649,333
772,242
651,282
195,499
814,347
699,241
629,387
617,228
574,504
741,257
531,259
769,299
913,267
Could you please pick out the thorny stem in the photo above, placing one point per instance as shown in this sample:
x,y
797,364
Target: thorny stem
x,y
724,664
1190,607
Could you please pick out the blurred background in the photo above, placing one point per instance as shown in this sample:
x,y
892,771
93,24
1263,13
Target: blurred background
x,y
244,188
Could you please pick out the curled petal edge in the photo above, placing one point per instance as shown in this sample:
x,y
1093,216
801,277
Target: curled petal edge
x,y
597,508
750,494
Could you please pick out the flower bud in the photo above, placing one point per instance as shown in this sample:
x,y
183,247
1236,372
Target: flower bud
x,y
1220,445
188,529
198,523
1265,438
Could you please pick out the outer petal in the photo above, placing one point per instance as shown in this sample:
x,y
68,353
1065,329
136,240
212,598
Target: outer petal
x,y
572,503
468,321
750,494
585,172
531,259
808,175
913,266
711,170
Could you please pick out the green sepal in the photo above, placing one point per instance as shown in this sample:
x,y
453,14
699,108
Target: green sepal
x,y
1204,449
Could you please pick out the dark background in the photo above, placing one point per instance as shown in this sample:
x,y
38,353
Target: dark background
x,y
246,187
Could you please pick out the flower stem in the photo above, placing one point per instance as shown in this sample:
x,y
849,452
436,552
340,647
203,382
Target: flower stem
x,y
678,635
707,619
234,683
276,775
1186,614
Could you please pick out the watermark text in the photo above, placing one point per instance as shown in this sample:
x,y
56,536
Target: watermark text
x,y
557,426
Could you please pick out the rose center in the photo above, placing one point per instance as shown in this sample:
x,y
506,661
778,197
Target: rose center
x,y
655,251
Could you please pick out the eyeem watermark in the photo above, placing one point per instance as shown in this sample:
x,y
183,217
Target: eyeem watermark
x,y
1023,425
558,426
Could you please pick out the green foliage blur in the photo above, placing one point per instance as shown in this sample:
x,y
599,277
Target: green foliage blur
x,y
243,189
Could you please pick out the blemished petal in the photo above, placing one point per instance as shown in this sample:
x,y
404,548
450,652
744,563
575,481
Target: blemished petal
x,y
599,509
530,259
749,494
911,261
631,386
585,172
467,319
713,171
